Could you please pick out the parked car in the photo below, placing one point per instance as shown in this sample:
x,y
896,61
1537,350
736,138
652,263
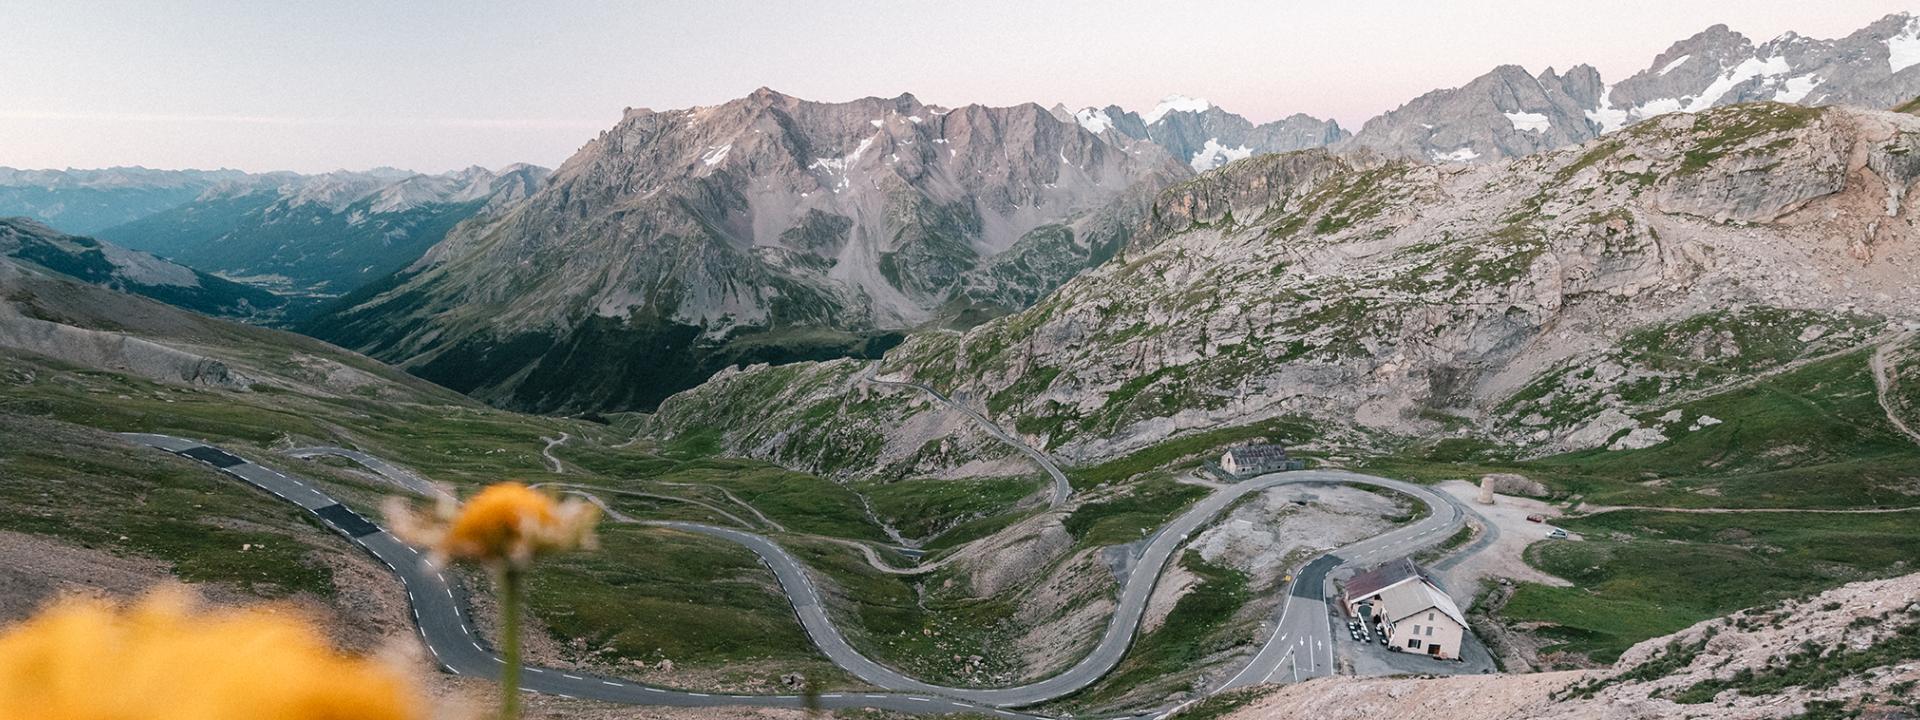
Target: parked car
x,y
1557,534
1536,517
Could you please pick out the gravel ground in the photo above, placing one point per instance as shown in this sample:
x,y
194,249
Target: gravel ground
x,y
1505,557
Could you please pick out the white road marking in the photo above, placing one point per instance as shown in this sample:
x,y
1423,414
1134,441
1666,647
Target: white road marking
x,y
610,682
571,677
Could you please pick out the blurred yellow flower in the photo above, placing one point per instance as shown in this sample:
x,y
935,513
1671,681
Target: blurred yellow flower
x,y
164,660
506,523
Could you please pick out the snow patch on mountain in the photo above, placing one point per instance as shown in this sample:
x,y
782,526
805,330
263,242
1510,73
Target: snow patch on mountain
x,y
1796,89
1670,67
1465,154
1095,120
1608,117
1174,103
1214,155
1529,122
1903,50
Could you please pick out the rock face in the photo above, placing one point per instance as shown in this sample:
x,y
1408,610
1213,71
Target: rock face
x,y
1204,136
325,234
110,266
1510,113
766,228
1356,290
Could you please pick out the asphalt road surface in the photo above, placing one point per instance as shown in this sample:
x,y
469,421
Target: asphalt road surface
x,y
1300,638
1301,644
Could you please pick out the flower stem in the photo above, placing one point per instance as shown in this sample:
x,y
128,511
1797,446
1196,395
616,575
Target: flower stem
x,y
510,591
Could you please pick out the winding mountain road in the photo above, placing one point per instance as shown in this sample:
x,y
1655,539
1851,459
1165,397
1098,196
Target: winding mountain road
x,y
448,632
1300,637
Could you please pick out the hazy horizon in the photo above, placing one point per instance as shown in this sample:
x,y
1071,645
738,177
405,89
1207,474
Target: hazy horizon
x,y
437,86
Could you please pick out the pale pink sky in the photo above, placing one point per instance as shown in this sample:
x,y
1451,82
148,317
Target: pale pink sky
x,y
442,84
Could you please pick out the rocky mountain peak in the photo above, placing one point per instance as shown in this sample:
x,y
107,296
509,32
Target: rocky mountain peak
x,y
766,213
1715,67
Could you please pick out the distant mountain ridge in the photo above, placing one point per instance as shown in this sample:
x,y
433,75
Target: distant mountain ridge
x,y
84,201
1203,135
1510,112
325,234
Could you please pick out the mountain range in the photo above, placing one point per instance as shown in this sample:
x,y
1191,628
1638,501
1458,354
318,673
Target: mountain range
x,y
772,228
1510,113
1541,305
326,234
766,228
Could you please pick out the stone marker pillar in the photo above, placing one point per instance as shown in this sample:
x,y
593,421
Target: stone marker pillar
x,y
1486,490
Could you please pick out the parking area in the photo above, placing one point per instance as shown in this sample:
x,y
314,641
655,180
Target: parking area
x,y
1361,651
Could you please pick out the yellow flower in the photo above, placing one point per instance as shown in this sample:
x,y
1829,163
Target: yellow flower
x,y
506,523
163,660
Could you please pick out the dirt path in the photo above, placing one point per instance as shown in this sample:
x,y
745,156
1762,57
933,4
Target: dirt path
x,y
735,499
1674,399
547,452
1884,377
587,491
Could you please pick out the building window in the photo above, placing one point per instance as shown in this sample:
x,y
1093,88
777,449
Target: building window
x,y
1429,617
1415,644
1429,631
1416,629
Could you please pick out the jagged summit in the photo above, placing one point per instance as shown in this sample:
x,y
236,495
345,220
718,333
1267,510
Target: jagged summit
x,y
1203,135
1510,113
759,215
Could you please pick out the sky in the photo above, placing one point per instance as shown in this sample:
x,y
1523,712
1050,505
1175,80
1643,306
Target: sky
x,y
430,85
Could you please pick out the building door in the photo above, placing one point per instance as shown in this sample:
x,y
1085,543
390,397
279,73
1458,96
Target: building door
x,y
1433,649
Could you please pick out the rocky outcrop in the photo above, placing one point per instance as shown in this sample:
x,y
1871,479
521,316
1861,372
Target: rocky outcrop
x,y
1844,653
116,352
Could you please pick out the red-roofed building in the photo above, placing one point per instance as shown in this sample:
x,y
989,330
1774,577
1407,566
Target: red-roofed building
x,y
1409,608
